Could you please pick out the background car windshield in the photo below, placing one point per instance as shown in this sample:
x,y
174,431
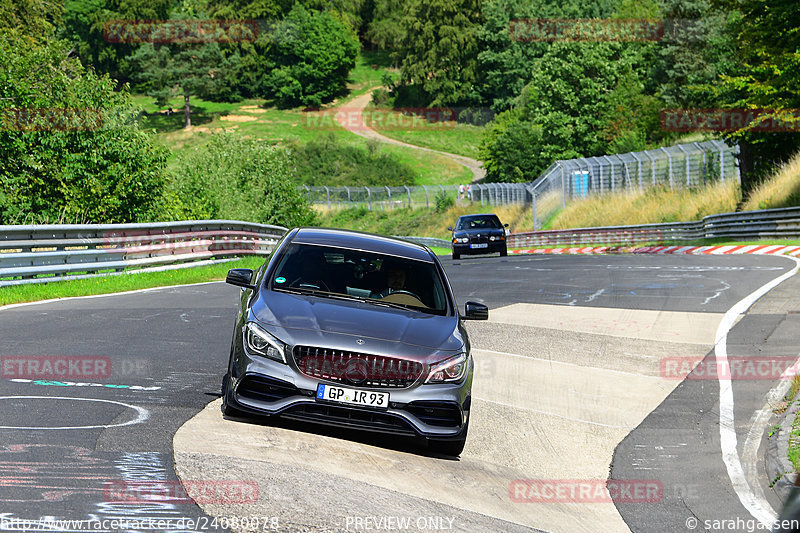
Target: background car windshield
x,y
360,274
479,222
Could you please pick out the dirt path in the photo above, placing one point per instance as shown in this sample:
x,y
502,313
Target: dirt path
x,y
354,122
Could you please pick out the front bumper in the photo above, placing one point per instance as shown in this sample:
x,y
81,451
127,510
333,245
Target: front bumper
x,y
493,247
269,387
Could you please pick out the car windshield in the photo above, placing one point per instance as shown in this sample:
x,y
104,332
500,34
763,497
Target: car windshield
x,y
479,222
374,278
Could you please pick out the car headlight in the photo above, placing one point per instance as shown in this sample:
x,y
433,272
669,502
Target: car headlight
x,y
449,371
262,343
461,240
492,238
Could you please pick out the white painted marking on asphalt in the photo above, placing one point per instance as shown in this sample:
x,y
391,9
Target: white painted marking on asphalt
x,y
142,414
760,420
88,296
759,508
718,293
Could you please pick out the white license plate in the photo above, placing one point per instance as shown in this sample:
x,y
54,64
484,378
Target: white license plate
x,y
352,396
474,246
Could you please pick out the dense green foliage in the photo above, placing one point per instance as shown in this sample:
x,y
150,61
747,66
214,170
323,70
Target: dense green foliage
x,y
311,55
235,178
766,75
326,161
69,145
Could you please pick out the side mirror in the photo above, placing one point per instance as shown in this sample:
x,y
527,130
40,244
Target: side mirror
x,y
505,225
241,277
449,228
475,311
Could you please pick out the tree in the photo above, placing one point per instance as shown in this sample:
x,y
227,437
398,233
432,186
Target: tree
x,y
311,56
576,89
70,147
188,70
766,75
86,25
438,52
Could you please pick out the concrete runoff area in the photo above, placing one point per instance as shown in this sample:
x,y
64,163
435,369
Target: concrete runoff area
x,y
540,412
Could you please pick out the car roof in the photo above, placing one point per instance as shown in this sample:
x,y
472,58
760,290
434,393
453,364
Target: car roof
x,y
357,240
479,215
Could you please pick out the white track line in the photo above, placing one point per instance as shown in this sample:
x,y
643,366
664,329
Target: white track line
x,y
758,507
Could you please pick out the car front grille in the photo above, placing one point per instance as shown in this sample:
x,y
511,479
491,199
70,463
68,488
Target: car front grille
x,y
357,369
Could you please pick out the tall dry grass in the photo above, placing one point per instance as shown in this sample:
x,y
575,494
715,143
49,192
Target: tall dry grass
x,y
782,189
651,206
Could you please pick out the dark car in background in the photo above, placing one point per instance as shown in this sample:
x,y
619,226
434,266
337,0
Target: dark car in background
x,y
353,330
479,234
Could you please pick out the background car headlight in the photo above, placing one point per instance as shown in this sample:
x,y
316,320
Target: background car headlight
x,y
262,343
449,371
461,239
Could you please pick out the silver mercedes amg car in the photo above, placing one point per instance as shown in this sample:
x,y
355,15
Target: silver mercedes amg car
x,y
355,330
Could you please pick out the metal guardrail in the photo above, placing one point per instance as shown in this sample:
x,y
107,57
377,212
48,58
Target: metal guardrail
x,y
428,241
748,225
42,253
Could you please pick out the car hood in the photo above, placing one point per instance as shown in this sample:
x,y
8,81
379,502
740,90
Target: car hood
x,y
318,321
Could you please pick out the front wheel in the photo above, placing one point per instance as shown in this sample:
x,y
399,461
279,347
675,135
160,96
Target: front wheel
x,y
227,408
456,256
449,447
504,252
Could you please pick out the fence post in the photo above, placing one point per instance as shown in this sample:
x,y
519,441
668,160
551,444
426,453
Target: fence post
x,y
638,168
686,154
328,196
721,159
533,206
563,186
427,199
409,195
348,196
669,160
369,199
389,194
704,170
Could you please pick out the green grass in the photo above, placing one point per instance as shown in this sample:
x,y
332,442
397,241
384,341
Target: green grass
x,y
449,136
121,283
254,118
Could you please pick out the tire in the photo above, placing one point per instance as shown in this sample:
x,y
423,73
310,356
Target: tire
x,y
227,408
456,256
504,252
449,447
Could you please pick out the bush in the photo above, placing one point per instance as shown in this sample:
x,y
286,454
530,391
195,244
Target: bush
x,y
70,148
327,161
238,179
444,201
